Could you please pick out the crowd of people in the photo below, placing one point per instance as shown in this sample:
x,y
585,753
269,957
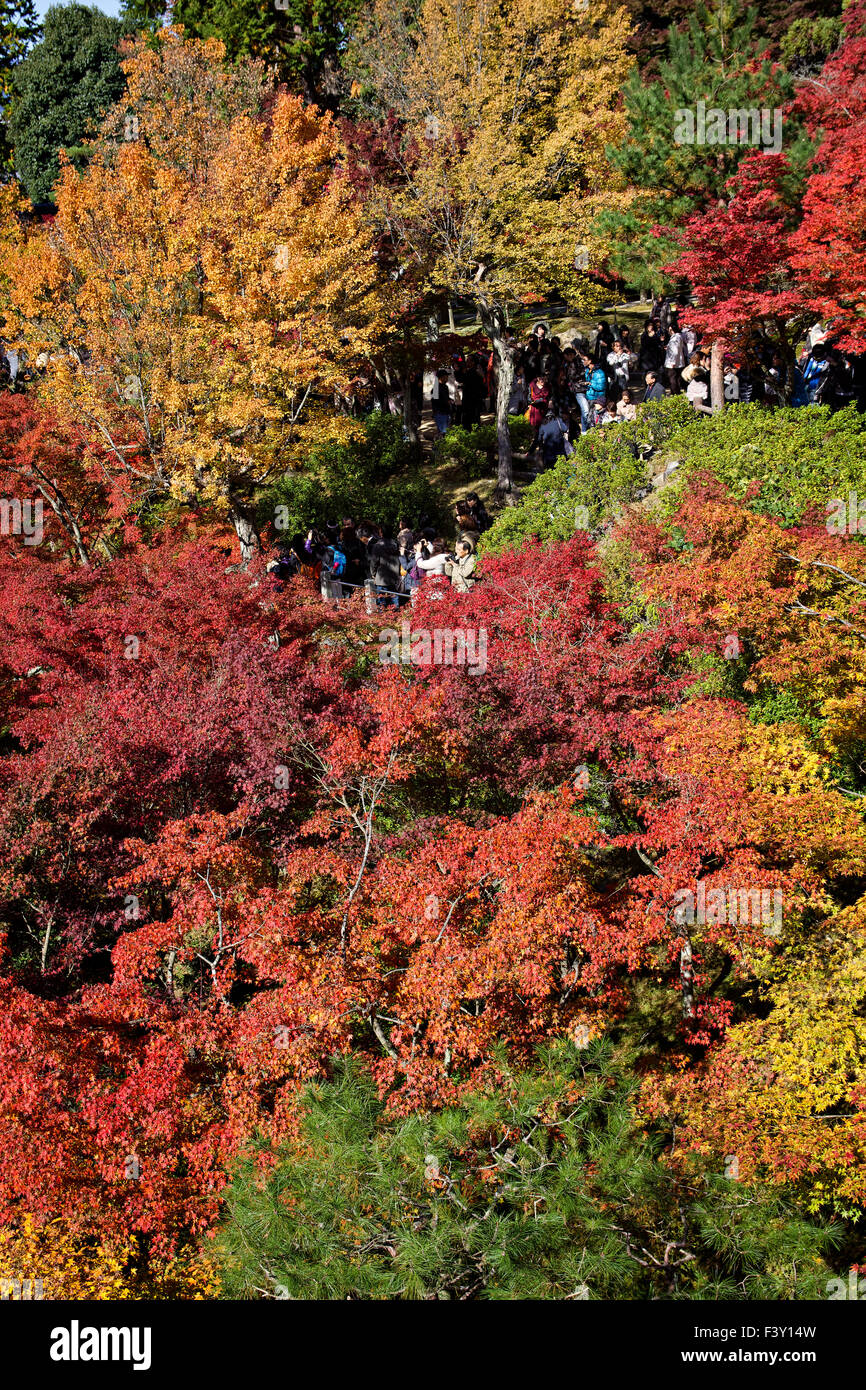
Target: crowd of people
x,y
346,557
565,389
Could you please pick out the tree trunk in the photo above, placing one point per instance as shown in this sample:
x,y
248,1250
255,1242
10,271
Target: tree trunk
x,y
245,528
717,379
451,324
408,417
63,512
687,981
493,319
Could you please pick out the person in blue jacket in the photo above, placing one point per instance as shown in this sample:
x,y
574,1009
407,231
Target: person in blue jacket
x,y
596,392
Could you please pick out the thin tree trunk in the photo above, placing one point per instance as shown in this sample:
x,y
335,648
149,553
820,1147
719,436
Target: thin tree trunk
x,y
408,418
717,379
493,319
245,528
451,324
687,981
63,512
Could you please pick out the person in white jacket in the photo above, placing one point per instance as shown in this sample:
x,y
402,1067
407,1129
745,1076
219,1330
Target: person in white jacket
x,y
675,360
435,559
621,362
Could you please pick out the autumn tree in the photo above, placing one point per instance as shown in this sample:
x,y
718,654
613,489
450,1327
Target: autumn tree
x,y
828,245
303,39
738,258
206,287
502,110
719,59
41,459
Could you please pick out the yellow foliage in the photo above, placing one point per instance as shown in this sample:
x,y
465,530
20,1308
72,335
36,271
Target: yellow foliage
x,y
69,1267
217,272
506,109
787,1092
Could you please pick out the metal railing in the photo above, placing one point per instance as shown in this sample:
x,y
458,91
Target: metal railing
x,y
331,588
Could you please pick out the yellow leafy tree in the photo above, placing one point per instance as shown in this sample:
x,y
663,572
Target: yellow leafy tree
x,y
201,299
785,1092
500,112
49,1261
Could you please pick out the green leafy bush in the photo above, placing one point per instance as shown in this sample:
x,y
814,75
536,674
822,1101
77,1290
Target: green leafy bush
x,y
544,1186
475,450
603,474
377,478
802,457
659,421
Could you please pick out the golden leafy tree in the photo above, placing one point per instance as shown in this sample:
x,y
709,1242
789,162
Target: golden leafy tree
x,y
497,113
206,287
48,1260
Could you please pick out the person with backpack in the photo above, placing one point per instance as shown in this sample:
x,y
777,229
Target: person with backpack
x,y
333,569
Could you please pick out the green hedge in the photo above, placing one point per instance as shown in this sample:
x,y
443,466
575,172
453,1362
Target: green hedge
x,y
803,457
377,478
602,475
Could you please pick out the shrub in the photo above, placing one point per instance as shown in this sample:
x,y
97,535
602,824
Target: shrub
x,y
475,449
377,477
801,458
600,477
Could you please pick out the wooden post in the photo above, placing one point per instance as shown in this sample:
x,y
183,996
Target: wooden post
x,y
717,379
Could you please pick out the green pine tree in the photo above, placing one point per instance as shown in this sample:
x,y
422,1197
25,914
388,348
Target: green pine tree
x,y
60,92
717,58
19,30
546,1187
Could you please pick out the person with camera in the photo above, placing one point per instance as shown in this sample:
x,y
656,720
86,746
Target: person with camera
x,y
460,567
